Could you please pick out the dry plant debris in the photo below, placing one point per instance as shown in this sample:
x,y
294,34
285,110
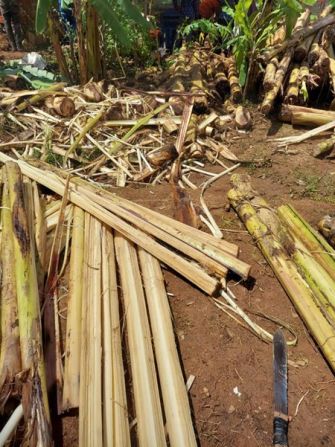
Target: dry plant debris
x,y
120,135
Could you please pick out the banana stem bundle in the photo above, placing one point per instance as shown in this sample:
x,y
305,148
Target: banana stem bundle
x,y
309,285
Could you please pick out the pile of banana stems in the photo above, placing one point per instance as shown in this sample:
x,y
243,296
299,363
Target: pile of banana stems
x,y
301,66
197,69
117,360
302,260
121,136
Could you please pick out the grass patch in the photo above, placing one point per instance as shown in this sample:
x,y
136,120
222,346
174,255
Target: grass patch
x,y
316,187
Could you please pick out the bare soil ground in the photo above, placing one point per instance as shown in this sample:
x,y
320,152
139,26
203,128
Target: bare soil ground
x,y
216,350
5,53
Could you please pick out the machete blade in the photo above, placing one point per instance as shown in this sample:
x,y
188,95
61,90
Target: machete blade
x,y
280,373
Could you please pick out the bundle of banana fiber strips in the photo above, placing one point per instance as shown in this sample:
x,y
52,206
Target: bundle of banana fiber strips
x,y
111,350
300,257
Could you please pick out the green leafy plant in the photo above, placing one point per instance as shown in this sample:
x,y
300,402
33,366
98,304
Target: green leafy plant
x,y
112,13
214,32
33,76
252,23
42,10
121,19
249,25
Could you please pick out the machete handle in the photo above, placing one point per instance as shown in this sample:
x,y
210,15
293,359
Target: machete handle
x,y
280,430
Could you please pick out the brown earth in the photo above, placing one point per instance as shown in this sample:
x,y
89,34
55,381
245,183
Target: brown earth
x,y
215,349
5,54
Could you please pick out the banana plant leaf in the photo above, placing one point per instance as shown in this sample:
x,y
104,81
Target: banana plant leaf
x,y
42,10
105,10
32,75
133,13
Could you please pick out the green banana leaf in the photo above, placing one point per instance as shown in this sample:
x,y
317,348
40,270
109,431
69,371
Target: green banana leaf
x,y
35,77
105,10
41,19
133,13
38,73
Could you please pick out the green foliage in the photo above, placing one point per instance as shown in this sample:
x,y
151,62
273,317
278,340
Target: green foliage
x,y
215,32
34,77
42,9
109,12
291,10
110,17
138,43
125,24
139,50
250,30
133,13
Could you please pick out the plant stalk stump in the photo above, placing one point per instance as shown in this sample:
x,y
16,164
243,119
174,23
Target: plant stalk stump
x,y
62,105
302,49
292,92
178,76
327,227
332,69
306,116
200,102
220,78
325,148
321,66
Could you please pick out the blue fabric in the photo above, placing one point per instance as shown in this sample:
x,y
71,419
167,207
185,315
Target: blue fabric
x,y
66,15
189,9
169,22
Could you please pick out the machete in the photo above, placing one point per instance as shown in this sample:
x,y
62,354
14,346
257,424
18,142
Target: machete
x,y
280,420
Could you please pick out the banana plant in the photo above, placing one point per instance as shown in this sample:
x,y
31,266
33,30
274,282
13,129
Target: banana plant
x,y
252,23
88,14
